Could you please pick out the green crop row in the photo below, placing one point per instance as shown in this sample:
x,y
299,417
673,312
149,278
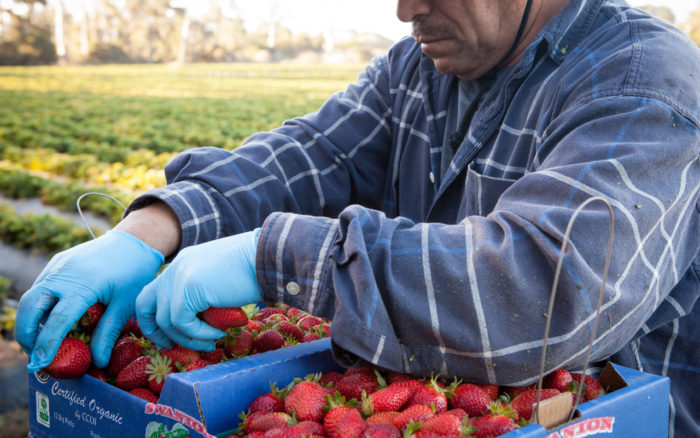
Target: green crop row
x,y
19,184
42,233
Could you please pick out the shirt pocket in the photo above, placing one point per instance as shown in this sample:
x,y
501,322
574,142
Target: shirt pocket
x,y
481,192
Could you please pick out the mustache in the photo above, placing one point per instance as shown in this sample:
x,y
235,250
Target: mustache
x,y
423,28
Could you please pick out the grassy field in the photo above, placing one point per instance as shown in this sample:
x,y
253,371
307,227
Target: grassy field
x,y
67,130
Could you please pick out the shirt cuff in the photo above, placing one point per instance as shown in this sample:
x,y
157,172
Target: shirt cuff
x,y
297,274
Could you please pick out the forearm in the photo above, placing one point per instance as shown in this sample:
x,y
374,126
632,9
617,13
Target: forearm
x,y
156,225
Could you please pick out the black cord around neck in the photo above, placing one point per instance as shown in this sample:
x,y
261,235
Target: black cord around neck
x,y
457,137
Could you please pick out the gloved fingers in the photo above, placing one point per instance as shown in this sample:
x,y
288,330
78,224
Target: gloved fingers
x,y
146,308
107,331
33,307
185,320
195,344
62,318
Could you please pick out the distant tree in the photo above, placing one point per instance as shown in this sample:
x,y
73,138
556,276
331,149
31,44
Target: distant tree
x,y
662,12
692,25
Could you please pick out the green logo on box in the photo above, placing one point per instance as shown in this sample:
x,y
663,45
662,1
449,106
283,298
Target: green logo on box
x,y
43,413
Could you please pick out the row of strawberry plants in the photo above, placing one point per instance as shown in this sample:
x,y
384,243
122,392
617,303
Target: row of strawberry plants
x,y
18,184
40,233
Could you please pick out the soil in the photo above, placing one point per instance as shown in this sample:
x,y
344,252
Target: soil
x,y
14,416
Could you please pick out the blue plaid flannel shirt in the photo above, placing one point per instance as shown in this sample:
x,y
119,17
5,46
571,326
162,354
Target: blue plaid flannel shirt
x,y
451,274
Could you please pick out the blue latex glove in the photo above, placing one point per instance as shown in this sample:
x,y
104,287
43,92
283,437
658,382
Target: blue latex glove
x,y
219,273
111,269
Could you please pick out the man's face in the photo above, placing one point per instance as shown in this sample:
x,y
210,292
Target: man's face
x,y
466,38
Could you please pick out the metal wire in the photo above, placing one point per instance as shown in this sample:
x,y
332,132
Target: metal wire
x,y
552,295
80,211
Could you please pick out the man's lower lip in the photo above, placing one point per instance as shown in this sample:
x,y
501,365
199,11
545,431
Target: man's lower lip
x,y
431,44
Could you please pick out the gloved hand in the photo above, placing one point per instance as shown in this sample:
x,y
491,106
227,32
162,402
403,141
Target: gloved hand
x,y
219,273
111,269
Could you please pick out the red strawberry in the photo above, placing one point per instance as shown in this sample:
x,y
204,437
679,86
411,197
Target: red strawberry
x,y
391,398
289,329
125,351
413,413
557,379
469,397
457,412
266,312
350,426
181,356
134,375
368,370
443,424
197,364
524,401
393,377
71,360
382,430
270,402
593,387
131,329
334,415
98,373
89,320
514,391
306,401
490,390
239,342
265,422
287,431
214,356
351,386
330,379
157,371
383,417
225,318
268,340
254,325
309,321
310,336
311,428
293,312
145,394
492,426
431,396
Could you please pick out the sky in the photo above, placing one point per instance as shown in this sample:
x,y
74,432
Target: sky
x,y
377,16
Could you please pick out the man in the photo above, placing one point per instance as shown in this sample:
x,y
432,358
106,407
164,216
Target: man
x,y
423,208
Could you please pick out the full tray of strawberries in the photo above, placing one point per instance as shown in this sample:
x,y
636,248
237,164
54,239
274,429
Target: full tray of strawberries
x,y
137,366
366,403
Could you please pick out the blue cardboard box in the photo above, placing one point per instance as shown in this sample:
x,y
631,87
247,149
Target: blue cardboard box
x,y
207,402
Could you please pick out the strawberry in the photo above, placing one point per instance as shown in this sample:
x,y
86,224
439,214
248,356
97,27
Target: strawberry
x,y
266,312
306,401
268,340
72,359
145,394
490,390
294,313
270,402
557,379
391,398
593,387
214,356
334,415
225,318
197,364
514,391
383,417
414,414
443,424
368,370
89,320
254,326
457,412
393,377
469,397
492,426
124,352
98,373
352,385
310,336
289,329
239,342
311,428
287,431
330,379
430,395
131,328
181,356
350,426
265,422
134,375
157,371
309,321
524,401
382,430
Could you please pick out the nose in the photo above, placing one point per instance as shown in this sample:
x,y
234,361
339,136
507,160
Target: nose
x,y
407,10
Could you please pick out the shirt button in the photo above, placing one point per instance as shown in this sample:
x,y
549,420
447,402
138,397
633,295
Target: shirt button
x,y
432,177
293,288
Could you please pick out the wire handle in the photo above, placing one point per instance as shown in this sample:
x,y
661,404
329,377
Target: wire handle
x,y
80,211
552,295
